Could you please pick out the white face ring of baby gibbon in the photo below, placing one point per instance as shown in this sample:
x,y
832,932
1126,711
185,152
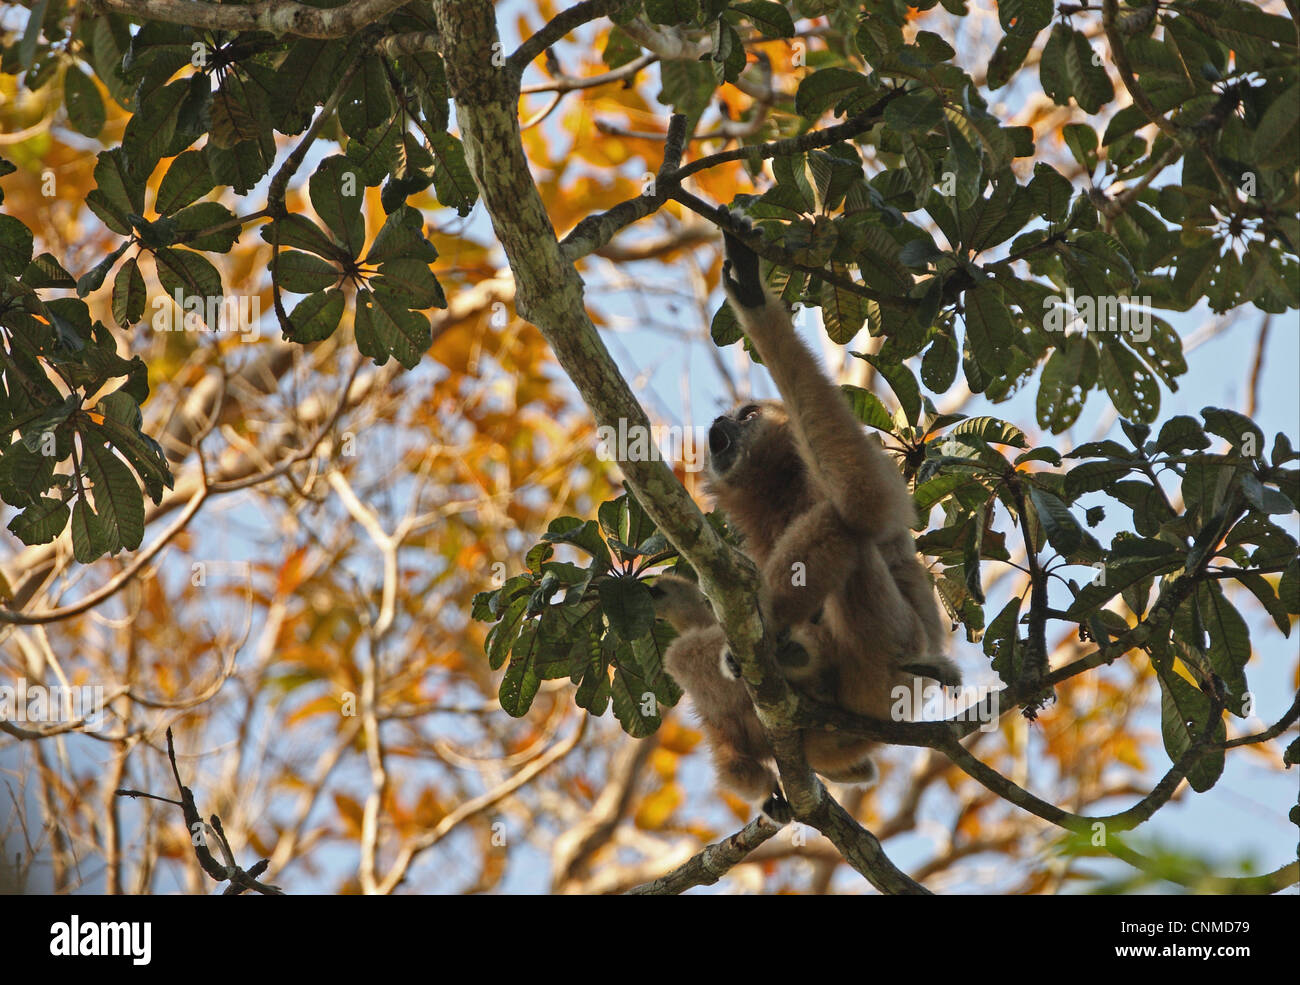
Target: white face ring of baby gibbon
x,y
809,492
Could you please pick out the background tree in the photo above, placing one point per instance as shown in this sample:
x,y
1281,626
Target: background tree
x,y
183,180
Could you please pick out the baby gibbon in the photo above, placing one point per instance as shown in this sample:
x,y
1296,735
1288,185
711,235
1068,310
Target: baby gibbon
x,y
827,518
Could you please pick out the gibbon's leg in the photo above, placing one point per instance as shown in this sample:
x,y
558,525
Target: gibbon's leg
x,y
841,758
682,603
856,474
930,659
740,750
800,657
810,562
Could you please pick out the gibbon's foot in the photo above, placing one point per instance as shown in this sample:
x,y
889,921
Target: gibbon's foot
x,y
730,666
939,669
740,273
790,653
777,809
863,773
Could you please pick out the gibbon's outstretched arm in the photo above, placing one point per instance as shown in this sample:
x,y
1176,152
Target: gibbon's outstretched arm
x,y
856,475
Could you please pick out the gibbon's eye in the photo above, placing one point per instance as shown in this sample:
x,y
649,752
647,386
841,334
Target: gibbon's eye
x,y
749,412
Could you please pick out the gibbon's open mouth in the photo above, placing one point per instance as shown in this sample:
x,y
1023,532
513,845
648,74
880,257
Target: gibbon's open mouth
x,y
722,444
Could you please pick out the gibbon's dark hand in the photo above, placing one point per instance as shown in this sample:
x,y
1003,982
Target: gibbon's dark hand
x,y
740,273
777,808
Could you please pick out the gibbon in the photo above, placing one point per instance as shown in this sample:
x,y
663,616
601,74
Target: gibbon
x,y
827,518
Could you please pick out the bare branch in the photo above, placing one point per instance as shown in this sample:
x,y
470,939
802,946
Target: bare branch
x,y
711,864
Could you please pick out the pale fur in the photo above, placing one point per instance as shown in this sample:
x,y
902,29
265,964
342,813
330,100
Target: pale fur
x,y
805,485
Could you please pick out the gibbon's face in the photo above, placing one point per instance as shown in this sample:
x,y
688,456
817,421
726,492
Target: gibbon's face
x,y
753,438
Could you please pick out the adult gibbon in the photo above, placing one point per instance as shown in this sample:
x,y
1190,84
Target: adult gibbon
x,y
827,518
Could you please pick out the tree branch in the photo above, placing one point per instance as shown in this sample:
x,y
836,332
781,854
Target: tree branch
x,y
711,864
1125,69
550,295
279,17
561,24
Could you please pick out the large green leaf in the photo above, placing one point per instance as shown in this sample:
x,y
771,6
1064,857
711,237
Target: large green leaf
x,y
386,327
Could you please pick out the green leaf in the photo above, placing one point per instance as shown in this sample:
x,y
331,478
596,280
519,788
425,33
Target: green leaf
x,y
129,294
936,490
939,364
45,271
1002,643
304,273
1288,587
303,234
149,132
386,327
520,683
1278,126
1237,429
187,180
93,279
843,311
1050,192
1268,598
867,408
971,555
624,520
1183,713
207,216
991,429
1178,434
771,19
368,101
187,273
402,237
15,245
1093,476
41,522
828,87
1120,574
337,190
91,538
119,503
241,166
1063,530
918,112
452,181
901,381
83,101
1086,71
119,192
503,635
238,112
990,330
628,605
412,281
725,329
316,316
584,535
1131,386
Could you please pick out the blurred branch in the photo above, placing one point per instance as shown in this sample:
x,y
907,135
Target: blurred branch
x,y
478,805
241,880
